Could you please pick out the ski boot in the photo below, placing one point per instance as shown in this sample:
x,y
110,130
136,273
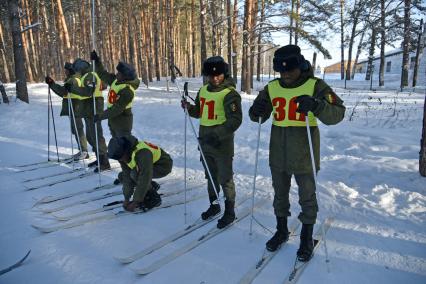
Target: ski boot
x,y
104,163
212,211
81,156
229,215
306,248
280,236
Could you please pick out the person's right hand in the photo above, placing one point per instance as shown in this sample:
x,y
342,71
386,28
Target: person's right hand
x,y
185,104
94,56
259,107
49,80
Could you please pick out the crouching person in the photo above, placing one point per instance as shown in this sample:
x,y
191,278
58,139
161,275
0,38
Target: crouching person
x,y
140,162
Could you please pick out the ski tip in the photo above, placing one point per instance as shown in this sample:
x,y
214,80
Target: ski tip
x,y
123,260
42,229
141,271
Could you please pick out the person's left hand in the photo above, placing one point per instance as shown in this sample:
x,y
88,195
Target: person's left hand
x,y
306,103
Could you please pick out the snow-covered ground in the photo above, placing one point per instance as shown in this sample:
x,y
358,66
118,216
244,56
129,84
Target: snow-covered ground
x,y
369,183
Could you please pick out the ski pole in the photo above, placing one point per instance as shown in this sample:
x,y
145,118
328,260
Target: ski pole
x,y
314,172
76,130
199,146
185,88
93,95
70,114
48,124
54,127
255,173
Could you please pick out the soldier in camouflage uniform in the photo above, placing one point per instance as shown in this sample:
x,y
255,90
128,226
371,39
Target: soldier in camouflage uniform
x,y
72,79
289,98
218,106
86,92
140,162
123,85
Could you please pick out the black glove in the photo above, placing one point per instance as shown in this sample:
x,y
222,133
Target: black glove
x,y
306,103
259,107
96,118
185,104
211,139
68,86
94,56
49,80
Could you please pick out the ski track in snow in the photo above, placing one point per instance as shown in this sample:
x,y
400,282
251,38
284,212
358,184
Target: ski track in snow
x,y
368,181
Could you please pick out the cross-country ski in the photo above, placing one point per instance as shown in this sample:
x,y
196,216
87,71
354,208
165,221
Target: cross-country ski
x,y
237,126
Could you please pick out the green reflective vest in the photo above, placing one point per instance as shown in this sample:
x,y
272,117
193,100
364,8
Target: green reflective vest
x,y
113,91
155,150
212,111
98,89
284,105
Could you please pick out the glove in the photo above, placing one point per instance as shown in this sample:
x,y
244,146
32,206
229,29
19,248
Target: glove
x,y
94,56
68,86
96,118
49,80
211,139
185,104
259,107
306,103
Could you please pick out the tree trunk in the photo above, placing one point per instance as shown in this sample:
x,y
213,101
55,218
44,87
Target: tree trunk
x,y
6,77
259,40
297,23
229,35
357,11
170,37
342,42
406,44
370,66
18,54
193,38
314,62
291,21
358,53
203,34
382,43
214,25
422,159
419,48
234,42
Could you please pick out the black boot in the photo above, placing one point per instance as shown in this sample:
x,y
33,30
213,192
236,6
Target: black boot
x,y
93,164
155,185
229,215
280,236
304,253
213,210
104,163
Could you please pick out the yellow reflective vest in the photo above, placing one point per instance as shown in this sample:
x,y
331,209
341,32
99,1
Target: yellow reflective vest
x,y
155,150
212,111
113,91
284,105
72,95
98,89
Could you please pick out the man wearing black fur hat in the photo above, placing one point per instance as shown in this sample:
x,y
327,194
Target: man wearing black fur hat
x,y
218,106
85,91
120,96
290,98
140,162
71,79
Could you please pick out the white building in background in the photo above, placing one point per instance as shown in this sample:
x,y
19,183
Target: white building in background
x,y
393,65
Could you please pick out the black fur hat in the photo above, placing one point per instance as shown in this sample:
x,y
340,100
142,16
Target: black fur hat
x,y
288,58
68,66
80,65
215,65
117,147
127,70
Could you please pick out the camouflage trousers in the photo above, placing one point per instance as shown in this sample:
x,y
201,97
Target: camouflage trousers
x,y
281,182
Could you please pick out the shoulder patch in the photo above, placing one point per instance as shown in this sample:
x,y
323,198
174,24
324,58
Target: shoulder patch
x,y
331,98
233,107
